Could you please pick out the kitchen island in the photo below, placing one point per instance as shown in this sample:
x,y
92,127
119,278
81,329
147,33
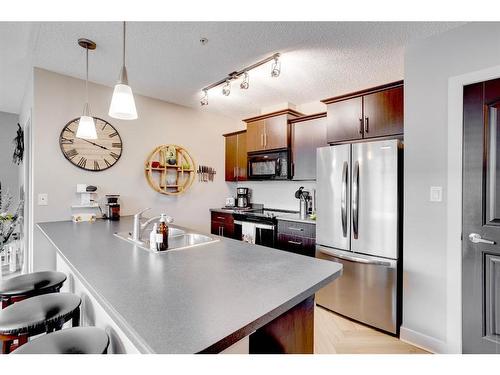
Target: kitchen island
x,y
206,299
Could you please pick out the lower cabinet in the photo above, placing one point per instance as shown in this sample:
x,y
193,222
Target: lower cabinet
x,y
296,237
222,224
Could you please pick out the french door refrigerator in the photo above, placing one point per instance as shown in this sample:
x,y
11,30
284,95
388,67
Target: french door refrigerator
x,y
358,225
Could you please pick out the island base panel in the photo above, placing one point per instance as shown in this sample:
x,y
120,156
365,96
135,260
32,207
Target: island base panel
x,y
290,333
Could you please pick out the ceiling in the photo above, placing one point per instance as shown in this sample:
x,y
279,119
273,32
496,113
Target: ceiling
x,y
166,60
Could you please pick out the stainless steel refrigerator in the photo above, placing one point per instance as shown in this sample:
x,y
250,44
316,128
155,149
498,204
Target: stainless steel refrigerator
x,y
358,225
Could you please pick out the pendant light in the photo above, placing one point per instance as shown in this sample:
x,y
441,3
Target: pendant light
x,y
122,103
86,124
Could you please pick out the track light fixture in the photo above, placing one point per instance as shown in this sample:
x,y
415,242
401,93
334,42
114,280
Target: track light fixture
x,y
276,67
204,99
245,84
226,89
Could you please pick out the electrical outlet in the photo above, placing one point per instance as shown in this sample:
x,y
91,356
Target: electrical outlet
x,y
436,194
43,199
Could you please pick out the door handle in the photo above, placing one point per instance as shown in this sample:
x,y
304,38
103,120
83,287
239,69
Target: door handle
x,y
366,124
476,238
361,126
343,200
355,201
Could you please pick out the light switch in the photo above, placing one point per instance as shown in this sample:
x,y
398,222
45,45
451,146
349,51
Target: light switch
x,y
436,194
43,199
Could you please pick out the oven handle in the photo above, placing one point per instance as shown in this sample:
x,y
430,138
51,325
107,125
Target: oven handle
x,y
353,258
257,225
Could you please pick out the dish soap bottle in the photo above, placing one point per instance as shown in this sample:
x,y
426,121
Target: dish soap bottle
x,y
152,237
162,235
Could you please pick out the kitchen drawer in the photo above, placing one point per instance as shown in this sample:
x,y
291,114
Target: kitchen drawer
x,y
294,228
297,244
222,217
222,229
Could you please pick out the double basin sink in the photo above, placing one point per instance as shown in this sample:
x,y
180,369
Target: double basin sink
x,y
178,239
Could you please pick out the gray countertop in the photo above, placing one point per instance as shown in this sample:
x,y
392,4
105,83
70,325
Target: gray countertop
x,y
199,299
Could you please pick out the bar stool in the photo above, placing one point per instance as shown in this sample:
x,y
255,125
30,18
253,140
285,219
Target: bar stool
x,y
32,284
79,340
40,314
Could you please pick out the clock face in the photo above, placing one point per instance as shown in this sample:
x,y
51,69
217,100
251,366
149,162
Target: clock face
x,y
91,154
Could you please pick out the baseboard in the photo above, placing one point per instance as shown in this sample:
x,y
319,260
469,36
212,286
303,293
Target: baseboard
x,y
425,342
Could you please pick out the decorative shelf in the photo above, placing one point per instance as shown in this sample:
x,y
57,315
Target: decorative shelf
x,y
160,177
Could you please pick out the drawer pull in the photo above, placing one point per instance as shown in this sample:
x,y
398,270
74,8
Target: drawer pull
x,y
295,242
221,217
297,229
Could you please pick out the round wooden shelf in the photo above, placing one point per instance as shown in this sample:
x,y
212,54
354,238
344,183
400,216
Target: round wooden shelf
x,y
161,176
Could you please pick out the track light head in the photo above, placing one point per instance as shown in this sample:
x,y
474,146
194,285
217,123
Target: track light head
x,y
226,89
245,84
204,99
276,67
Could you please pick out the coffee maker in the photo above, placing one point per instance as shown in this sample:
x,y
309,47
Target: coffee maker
x,y
112,207
242,199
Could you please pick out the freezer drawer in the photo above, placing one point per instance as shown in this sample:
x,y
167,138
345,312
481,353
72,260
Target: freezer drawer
x,y
366,291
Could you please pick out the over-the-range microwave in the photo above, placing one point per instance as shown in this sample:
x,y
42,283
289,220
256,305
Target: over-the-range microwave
x,y
269,165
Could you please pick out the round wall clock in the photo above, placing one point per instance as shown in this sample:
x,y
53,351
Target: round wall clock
x,y
91,154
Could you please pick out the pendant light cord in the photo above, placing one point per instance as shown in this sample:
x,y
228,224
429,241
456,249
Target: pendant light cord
x,y
87,75
124,26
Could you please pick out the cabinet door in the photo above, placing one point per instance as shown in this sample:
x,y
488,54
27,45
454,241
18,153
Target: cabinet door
x,y
255,136
231,157
276,135
345,120
241,157
307,136
383,113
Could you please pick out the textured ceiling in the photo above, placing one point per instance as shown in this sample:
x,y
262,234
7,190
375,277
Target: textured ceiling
x,y
165,60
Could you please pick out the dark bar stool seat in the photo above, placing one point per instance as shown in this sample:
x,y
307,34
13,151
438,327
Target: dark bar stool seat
x,y
79,340
40,314
29,285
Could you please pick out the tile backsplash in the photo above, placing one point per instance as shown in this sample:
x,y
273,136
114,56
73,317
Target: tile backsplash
x,y
276,194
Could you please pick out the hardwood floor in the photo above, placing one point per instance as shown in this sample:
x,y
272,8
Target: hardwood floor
x,y
334,334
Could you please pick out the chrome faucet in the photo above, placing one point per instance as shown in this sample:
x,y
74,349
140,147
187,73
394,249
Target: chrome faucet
x,y
139,227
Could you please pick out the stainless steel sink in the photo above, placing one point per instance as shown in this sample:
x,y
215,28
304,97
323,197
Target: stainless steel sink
x,y
178,239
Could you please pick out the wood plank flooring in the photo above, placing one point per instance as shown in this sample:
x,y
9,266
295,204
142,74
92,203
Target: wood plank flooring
x,y
334,334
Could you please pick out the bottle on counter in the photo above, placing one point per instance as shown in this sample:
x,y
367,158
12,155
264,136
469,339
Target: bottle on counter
x,y
152,237
162,234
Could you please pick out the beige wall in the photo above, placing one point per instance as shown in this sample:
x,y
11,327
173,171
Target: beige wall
x,y
59,99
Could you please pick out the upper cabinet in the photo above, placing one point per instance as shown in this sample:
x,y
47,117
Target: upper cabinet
x,y
236,156
270,131
308,133
376,112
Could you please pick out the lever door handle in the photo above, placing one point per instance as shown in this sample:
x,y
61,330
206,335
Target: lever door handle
x,y
476,238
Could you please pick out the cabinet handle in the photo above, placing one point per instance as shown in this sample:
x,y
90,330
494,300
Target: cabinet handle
x,y
265,139
222,230
295,228
221,217
235,172
366,124
295,242
262,139
361,126
219,230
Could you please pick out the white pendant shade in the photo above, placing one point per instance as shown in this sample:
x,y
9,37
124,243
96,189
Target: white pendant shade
x,y
86,128
122,103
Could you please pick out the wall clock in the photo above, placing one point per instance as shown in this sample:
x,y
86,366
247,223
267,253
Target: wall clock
x,y
91,154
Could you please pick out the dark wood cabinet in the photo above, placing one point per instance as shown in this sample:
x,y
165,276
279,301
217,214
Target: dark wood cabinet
x,y
345,120
383,113
270,131
297,237
308,133
222,224
236,156
371,113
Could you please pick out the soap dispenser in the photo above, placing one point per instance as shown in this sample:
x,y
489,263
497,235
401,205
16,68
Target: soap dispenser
x,y
152,237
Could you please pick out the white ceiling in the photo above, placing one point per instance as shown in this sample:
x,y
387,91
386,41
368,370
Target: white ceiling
x,y
165,60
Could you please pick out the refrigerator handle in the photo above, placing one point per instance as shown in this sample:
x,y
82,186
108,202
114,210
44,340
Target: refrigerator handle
x,y
355,200
354,258
343,204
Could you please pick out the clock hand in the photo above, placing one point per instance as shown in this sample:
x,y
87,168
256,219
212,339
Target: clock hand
x,y
95,144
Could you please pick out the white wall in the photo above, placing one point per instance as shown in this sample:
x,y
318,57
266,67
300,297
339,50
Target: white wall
x,y
8,170
59,99
431,301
